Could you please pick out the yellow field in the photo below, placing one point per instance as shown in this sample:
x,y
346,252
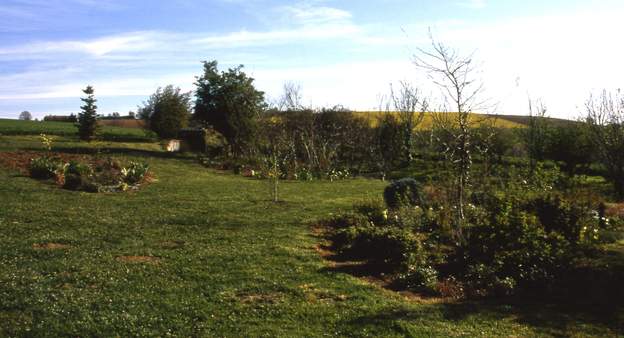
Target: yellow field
x,y
427,123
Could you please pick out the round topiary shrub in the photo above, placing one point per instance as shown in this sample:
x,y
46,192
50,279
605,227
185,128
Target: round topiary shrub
x,y
403,192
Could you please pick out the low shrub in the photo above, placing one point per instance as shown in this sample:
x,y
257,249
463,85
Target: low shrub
x,y
374,209
43,167
395,248
78,176
511,250
134,173
403,192
561,216
422,277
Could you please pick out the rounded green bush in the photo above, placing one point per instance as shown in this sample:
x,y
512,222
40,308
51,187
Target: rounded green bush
x,y
403,192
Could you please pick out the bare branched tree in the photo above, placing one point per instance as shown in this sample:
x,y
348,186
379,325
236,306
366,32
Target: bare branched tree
x,y
291,98
455,75
605,118
411,107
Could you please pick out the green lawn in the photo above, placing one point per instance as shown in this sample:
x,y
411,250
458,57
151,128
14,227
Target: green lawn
x,y
224,262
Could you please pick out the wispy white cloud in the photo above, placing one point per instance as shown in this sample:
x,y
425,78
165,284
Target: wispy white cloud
x,y
269,38
306,14
474,4
128,42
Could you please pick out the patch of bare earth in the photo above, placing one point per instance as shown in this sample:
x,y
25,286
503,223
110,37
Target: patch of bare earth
x,y
19,160
50,246
260,298
172,244
139,259
315,294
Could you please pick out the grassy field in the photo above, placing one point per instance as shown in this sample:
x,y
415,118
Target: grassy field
x,y
107,132
205,253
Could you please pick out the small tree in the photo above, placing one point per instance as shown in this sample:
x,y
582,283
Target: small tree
x,y
274,146
166,111
536,133
605,118
25,116
291,98
454,75
406,101
389,142
230,103
87,118
570,146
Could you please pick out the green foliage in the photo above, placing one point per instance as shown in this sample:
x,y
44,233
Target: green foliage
x,y
374,210
390,142
421,277
43,167
167,111
25,116
134,173
87,118
229,102
78,176
203,140
511,244
571,146
393,247
563,217
403,192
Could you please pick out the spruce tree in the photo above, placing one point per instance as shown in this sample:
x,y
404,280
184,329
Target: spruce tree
x,y
87,118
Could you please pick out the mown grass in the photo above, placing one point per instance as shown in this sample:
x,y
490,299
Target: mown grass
x,y
107,133
226,262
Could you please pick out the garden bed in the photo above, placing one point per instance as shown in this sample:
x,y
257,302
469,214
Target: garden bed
x,y
79,172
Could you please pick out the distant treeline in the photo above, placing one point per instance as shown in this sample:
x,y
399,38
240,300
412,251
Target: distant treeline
x,y
73,118
61,118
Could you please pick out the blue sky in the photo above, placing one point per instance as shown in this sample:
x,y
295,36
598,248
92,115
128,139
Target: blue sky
x,y
340,52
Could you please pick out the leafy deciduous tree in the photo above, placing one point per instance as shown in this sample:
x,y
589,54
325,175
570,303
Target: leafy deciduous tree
x,y
25,115
167,111
230,103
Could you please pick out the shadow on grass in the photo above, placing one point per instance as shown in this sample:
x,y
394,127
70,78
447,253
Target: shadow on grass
x,y
554,320
119,151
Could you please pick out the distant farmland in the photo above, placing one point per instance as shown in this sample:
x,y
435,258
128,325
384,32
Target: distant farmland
x,y
123,123
108,132
499,120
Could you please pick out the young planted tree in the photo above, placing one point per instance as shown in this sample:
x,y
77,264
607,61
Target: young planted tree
x,y
87,118
166,111
229,102
605,118
275,147
454,74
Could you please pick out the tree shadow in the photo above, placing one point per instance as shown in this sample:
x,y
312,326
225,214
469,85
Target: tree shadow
x,y
119,151
555,320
